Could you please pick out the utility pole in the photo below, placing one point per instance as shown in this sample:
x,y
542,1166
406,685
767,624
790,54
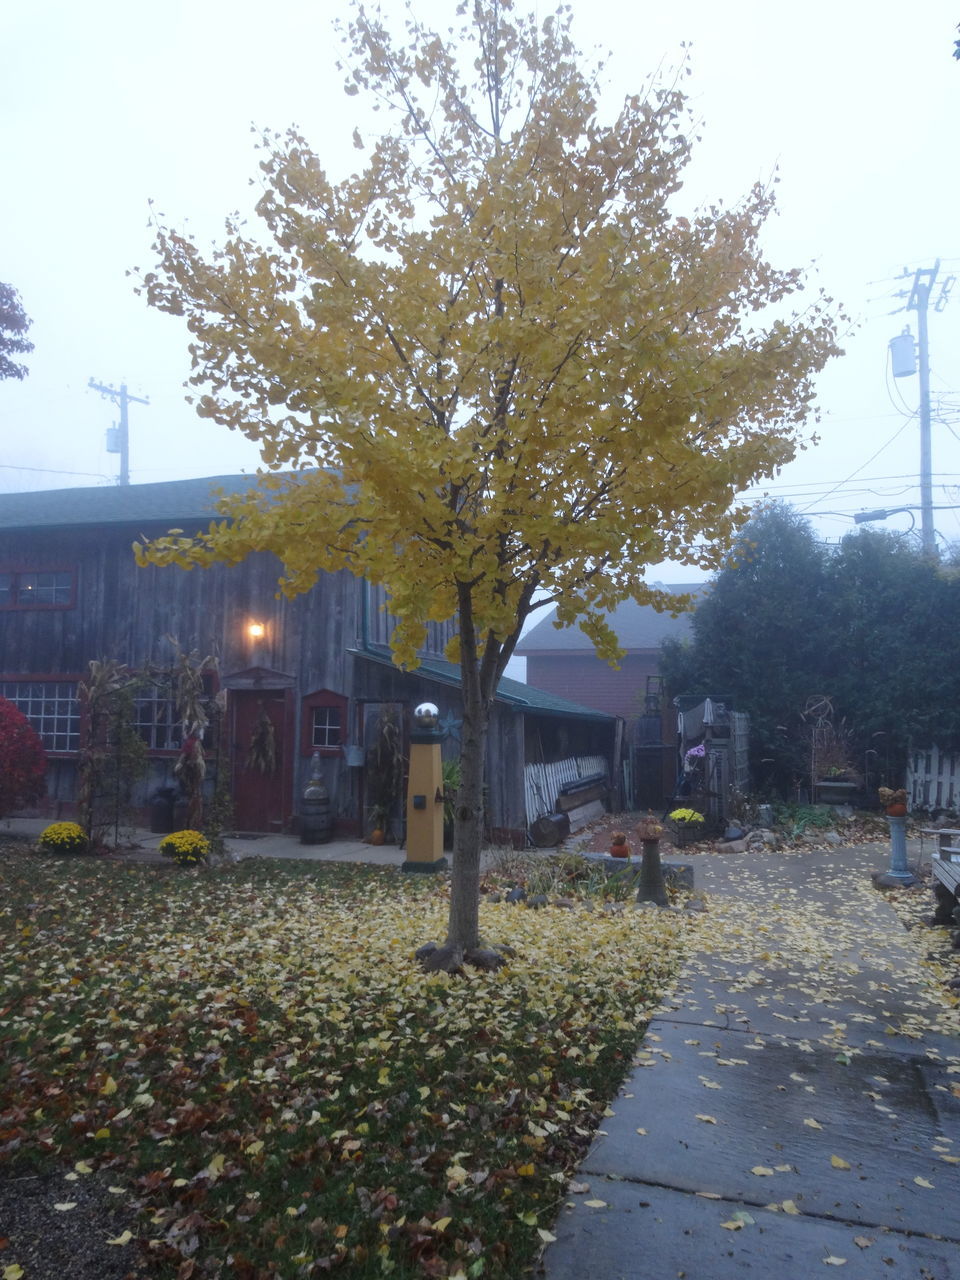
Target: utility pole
x,y
918,300
121,397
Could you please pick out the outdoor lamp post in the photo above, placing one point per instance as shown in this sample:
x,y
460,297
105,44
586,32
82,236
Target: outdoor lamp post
x,y
425,793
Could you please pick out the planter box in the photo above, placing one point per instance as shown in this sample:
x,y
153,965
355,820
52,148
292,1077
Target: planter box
x,y
839,791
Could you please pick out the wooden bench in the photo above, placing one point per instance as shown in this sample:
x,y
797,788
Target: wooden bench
x,y
583,800
945,862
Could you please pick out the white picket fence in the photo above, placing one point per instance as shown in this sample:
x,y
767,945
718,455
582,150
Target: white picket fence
x,y
542,782
933,779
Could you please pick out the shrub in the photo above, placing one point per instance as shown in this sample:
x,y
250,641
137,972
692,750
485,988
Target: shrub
x,y
186,848
23,762
64,837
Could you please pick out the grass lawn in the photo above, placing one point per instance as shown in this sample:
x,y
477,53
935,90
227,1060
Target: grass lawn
x,y
261,1078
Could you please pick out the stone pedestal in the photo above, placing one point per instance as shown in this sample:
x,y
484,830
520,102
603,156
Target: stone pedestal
x,y
652,887
898,875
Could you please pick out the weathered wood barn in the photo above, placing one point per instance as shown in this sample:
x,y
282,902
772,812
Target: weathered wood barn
x,y
315,671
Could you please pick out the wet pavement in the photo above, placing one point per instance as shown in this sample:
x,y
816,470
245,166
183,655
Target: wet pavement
x,y
794,1104
140,845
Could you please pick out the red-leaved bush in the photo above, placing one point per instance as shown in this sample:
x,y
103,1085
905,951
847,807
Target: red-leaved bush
x,y
23,761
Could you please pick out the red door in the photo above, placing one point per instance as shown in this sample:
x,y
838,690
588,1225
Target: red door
x,y
262,750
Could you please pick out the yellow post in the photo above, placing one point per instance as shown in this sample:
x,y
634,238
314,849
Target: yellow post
x,y
425,794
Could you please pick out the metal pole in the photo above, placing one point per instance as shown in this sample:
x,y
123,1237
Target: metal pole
x,y
927,534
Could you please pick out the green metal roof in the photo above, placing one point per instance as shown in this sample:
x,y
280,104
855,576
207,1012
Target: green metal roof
x,y
513,692
169,502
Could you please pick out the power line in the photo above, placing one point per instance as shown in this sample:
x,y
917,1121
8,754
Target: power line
x,y
54,471
839,486
795,492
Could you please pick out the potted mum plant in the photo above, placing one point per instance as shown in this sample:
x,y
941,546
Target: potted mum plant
x,y
186,848
687,824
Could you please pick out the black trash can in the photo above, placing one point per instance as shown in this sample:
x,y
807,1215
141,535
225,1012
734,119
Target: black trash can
x,y
161,810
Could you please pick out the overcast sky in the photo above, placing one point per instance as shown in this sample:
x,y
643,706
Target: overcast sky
x,y
107,106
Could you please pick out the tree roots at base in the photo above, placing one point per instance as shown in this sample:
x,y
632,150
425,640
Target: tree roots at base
x,y
452,958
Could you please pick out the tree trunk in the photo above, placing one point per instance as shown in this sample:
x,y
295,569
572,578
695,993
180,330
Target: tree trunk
x,y
463,928
479,679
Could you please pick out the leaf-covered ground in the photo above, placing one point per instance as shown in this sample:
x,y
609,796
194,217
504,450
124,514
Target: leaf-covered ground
x,y
248,1065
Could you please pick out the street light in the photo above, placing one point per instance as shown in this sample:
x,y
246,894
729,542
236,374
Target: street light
x,y
883,513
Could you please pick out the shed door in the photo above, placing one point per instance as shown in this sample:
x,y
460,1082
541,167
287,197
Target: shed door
x,y
262,750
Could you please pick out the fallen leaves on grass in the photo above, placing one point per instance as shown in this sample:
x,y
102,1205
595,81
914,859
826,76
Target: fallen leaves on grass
x,y
267,1074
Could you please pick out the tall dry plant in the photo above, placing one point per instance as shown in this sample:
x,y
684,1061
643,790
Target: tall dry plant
x,y
193,705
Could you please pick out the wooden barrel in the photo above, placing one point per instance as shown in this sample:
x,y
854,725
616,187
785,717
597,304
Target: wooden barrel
x,y
315,816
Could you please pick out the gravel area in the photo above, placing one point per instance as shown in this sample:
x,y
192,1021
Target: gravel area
x,y
48,1243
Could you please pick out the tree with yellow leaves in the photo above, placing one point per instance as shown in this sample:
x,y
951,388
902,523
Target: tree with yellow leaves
x,y
502,372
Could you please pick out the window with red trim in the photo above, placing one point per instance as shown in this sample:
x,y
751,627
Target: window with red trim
x,y
52,708
37,589
323,723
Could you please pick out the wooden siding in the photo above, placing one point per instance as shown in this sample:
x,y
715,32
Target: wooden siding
x,y
125,613
381,623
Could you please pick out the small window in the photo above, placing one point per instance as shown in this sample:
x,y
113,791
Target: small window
x,y
326,727
51,707
40,589
44,588
323,723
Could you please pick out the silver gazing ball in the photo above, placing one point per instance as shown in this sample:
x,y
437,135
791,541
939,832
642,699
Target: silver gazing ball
x,y
427,715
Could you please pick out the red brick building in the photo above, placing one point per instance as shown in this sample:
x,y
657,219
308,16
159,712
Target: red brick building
x,y
562,661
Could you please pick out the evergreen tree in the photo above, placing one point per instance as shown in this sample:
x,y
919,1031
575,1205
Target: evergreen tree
x,y
757,636
872,625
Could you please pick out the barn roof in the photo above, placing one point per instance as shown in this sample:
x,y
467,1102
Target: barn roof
x,y
513,692
637,627
167,501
